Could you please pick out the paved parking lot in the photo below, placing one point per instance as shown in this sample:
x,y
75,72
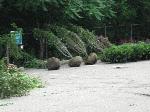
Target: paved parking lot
x,y
97,88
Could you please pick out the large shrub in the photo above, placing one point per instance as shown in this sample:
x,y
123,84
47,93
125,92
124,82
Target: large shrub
x,y
73,42
14,82
126,53
53,42
89,38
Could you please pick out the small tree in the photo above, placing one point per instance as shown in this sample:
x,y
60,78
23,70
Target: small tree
x,y
9,43
52,40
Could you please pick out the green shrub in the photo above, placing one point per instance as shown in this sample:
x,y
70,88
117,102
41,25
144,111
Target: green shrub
x,y
21,61
2,65
35,63
54,43
57,45
89,38
15,83
141,52
72,41
126,53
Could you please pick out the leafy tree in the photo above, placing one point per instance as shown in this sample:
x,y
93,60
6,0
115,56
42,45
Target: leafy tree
x,y
30,14
47,11
133,12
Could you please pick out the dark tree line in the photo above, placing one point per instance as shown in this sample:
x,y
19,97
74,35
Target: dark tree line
x,y
30,14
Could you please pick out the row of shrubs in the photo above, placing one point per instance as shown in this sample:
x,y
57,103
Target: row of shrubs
x,y
129,52
63,42
14,82
126,53
54,63
69,41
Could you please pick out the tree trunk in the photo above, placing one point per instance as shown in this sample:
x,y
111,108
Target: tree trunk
x,y
42,42
46,48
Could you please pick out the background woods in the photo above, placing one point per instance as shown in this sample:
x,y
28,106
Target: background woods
x,y
56,21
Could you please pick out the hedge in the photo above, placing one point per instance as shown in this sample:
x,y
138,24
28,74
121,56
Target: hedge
x,y
126,53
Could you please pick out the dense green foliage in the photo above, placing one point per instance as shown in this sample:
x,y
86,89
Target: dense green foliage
x,y
37,13
126,53
6,40
73,42
130,12
14,82
87,37
52,10
31,14
52,41
35,63
67,41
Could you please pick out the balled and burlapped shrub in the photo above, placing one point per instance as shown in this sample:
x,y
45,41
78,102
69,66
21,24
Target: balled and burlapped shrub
x,y
72,41
53,42
53,63
88,37
91,59
75,61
